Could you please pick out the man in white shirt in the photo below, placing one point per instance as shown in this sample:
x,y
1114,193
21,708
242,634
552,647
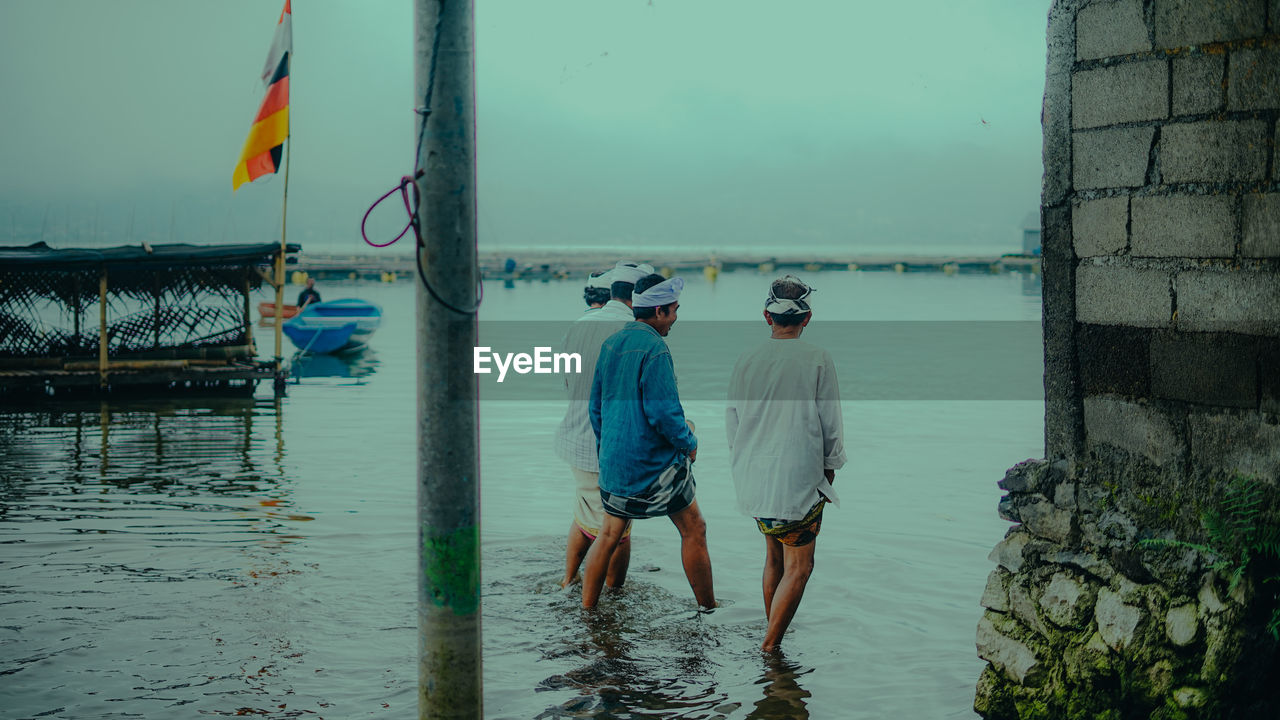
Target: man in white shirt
x,y
575,440
596,292
785,444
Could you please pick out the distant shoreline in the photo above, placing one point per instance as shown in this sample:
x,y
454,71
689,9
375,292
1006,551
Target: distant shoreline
x,y
560,262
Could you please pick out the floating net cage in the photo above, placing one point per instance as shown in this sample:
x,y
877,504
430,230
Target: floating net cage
x,y
160,301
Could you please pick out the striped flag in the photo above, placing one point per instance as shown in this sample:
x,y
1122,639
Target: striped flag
x,y
263,147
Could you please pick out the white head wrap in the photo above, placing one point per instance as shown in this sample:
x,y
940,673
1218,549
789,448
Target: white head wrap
x,y
664,293
630,272
602,279
788,306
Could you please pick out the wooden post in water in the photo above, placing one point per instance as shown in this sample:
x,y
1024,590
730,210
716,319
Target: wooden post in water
x,y
449,666
156,319
248,316
102,328
77,315
284,249
279,275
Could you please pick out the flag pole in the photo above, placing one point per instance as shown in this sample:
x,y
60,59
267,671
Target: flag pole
x,y
284,219
259,156
284,224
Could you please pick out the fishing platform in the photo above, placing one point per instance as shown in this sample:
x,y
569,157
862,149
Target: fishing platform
x,y
169,318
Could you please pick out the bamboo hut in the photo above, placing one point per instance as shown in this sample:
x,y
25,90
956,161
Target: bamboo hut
x,y
111,320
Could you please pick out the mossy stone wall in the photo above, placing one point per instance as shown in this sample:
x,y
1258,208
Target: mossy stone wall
x,y
1160,223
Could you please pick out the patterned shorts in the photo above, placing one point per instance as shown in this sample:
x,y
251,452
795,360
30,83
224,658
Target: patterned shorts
x,y
670,493
796,533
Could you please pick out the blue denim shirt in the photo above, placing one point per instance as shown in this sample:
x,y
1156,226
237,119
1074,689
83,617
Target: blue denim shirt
x,y
635,410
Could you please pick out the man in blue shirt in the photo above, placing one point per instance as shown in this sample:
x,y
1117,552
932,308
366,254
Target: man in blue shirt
x,y
646,447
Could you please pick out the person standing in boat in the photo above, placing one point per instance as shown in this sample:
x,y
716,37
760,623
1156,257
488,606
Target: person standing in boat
x,y
785,444
646,447
308,296
575,440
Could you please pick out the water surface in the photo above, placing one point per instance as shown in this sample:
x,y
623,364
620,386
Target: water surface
x,y
166,558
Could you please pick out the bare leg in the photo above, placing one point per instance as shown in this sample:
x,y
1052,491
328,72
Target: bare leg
x,y
772,571
618,564
575,550
598,559
693,553
797,567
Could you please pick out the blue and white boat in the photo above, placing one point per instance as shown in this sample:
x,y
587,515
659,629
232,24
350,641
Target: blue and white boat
x,y
337,326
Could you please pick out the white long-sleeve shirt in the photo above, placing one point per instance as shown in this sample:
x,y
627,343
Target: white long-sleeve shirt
x,y
784,427
575,440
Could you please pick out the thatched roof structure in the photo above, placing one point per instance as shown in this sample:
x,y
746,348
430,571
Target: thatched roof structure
x,y
157,297
70,276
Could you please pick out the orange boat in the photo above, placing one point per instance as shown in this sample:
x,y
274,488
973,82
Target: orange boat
x,y
268,310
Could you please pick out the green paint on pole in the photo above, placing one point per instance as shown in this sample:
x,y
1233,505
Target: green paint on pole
x,y
451,569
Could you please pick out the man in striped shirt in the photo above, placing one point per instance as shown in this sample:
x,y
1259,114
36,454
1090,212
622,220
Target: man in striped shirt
x,y
575,440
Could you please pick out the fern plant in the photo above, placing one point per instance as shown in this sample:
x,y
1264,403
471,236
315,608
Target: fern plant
x,y
1238,533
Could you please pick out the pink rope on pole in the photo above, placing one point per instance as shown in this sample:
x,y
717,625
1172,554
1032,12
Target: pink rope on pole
x,y
405,182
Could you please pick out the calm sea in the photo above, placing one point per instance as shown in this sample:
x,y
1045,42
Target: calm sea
x,y
256,557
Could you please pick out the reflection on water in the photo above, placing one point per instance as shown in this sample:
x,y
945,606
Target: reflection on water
x,y
644,652
131,532
783,696
359,364
174,446
1032,284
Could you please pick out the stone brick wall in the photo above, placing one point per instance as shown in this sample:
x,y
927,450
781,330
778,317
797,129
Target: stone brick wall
x,y
1161,234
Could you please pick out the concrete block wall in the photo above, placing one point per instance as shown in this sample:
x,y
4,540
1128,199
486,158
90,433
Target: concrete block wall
x,y
1160,222
1168,221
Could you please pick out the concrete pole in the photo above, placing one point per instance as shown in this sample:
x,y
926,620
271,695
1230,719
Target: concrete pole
x,y
449,667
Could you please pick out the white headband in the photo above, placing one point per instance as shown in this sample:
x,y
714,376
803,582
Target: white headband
x,y
602,280
630,272
664,293
789,306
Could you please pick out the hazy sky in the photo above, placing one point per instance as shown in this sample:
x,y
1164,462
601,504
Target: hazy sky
x,y
694,123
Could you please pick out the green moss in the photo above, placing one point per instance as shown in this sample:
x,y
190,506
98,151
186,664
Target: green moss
x,y
1187,703
1113,489
1085,706
1170,713
1156,681
994,698
1089,661
1166,507
451,569
1035,709
1243,538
